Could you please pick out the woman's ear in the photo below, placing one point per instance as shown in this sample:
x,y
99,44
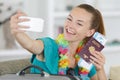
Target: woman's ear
x,y
90,32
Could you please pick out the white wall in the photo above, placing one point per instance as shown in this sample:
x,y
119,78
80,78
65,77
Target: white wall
x,y
111,16
112,56
112,26
6,55
2,44
108,5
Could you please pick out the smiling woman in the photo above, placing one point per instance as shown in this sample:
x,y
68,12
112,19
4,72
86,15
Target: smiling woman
x,y
82,22
76,23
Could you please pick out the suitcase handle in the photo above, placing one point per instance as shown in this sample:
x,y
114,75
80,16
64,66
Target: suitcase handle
x,y
22,72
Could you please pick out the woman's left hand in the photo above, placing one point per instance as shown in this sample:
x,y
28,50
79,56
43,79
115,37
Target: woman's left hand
x,y
98,60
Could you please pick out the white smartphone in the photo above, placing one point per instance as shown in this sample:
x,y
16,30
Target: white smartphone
x,y
35,24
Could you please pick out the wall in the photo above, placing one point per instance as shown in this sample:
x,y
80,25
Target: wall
x,y
112,25
112,56
2,44
6,55
111,14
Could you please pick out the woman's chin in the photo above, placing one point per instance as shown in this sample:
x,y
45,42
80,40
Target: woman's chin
x,y
68,38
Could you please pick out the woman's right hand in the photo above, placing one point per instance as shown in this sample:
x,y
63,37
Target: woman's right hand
x,y
15,28
34,46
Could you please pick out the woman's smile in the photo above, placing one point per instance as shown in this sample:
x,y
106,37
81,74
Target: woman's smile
x,y
70,31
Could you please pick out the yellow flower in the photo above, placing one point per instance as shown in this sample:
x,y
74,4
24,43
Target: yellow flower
x,y
59,37
63,63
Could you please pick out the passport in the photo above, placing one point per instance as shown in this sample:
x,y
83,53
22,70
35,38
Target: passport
x,y
95,43
91,46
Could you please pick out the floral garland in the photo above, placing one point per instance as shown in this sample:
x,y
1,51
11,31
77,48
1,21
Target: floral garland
x,y
64,62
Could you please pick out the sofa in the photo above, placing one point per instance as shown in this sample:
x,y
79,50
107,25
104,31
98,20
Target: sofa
x,y
13,66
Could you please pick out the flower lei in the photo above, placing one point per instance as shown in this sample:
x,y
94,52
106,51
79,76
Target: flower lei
x,y
63,61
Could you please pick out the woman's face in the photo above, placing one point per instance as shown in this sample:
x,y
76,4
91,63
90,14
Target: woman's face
x,y
77,25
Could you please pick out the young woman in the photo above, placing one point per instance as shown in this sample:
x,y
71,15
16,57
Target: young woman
x,y
59,55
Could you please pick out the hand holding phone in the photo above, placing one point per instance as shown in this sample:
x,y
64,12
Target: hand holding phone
x,y
35,24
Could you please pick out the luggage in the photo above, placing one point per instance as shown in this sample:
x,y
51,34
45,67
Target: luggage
x,y
21,75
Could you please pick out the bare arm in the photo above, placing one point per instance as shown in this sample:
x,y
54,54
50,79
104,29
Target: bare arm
x,y
100,75
98,60
34,46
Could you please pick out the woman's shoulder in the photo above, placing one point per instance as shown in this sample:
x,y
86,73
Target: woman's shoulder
x,y
47,40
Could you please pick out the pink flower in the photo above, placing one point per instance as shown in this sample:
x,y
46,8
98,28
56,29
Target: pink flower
x,y
61,73
62,50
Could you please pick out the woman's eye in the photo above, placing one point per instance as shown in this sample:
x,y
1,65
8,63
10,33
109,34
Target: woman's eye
x,y
69,19
79,24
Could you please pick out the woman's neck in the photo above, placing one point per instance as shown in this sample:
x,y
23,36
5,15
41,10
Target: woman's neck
x,y
72,47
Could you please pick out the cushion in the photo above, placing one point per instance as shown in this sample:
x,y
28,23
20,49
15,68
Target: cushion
x,y
114,73
13,66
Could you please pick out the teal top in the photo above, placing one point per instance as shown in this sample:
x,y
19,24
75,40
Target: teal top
x,y
51,58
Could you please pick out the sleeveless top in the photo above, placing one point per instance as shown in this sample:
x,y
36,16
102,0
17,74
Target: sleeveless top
x,y
51,62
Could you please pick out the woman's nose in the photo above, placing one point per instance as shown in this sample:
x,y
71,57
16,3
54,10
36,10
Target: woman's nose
x,y
71,25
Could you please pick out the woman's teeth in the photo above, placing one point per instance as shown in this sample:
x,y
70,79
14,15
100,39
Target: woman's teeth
x,y
70,31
